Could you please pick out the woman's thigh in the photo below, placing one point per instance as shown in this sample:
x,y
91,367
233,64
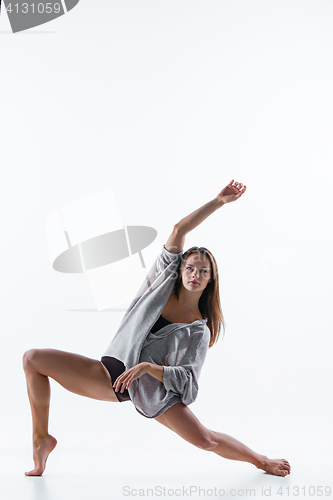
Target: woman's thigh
x,y
180,419
76,373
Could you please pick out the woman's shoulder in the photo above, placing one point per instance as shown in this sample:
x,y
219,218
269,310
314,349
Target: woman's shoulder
x,y
199,328
200,335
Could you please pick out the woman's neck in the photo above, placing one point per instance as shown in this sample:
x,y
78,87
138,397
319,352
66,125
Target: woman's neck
x,y
188,300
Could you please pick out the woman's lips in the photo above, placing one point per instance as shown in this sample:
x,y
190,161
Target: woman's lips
x,y
194,282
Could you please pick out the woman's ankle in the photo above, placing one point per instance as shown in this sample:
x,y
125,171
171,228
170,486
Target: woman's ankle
x,y
39,438
261,461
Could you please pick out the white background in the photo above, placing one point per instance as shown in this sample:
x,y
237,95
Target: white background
x,y
165,102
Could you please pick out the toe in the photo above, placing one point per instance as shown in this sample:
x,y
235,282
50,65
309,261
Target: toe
x,y
283,470
286,464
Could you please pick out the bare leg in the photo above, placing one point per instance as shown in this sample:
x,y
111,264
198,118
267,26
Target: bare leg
x,y
229,447
39,396
78,374
180,419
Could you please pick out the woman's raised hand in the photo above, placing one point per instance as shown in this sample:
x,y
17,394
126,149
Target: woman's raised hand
x,y
231,192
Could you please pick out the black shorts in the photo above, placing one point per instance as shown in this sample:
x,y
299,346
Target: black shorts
x,y
116,368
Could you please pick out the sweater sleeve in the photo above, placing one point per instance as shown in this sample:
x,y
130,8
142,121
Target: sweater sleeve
x,y
165,266
183,379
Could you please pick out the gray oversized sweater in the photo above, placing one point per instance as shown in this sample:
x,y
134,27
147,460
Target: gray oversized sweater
x,y
180,348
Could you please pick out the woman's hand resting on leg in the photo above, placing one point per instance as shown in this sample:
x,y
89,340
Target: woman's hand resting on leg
x,y
127,377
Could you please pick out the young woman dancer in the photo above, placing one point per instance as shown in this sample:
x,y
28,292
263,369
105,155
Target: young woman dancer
x,y
156,356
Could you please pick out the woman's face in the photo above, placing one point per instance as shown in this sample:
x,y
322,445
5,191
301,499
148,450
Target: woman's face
x,y
196,273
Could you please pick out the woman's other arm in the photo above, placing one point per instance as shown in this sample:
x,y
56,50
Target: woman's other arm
x,y
126,378
155,371
231,192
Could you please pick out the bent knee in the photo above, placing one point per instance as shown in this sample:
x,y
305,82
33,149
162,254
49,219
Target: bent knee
x,y
29,357
207,442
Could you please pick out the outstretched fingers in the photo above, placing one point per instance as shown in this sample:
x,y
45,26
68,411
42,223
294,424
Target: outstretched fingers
x,y
241,191
236,185
238,189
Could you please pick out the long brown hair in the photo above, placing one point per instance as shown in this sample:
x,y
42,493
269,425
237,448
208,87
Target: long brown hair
x,y
209,302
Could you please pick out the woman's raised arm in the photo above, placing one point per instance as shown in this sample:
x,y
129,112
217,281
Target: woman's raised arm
x,y
176,240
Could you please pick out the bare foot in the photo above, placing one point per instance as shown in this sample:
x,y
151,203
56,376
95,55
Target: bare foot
x,y
276,466
40,454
